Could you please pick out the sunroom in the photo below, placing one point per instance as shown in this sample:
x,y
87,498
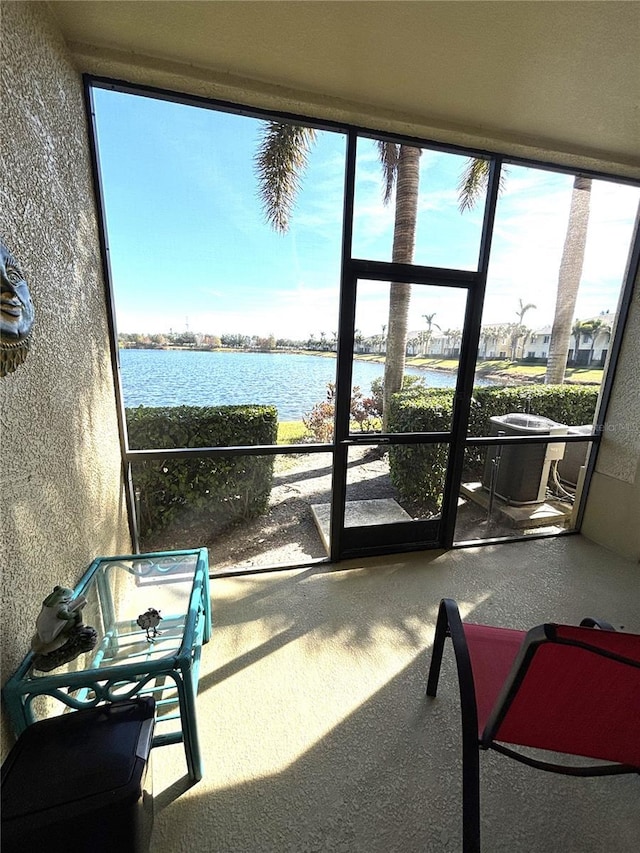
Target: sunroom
x,y
331,631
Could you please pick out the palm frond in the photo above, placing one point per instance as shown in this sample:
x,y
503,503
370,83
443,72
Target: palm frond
x,y
428,318
473,183
389,154
280,162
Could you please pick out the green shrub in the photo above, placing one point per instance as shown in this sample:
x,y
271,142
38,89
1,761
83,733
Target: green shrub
x,y
418,471
572,405
566,404
221,490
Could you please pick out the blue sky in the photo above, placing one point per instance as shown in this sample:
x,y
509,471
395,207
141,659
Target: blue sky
x,y
189,246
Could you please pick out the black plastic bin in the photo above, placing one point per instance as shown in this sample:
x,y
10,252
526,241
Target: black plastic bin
x,y
79,782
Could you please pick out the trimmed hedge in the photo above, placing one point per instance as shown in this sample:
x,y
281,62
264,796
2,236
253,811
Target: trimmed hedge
x,y
566,404
418,471
220,491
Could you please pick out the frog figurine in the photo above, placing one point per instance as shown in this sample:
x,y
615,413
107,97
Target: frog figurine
x,y
59,615
60,635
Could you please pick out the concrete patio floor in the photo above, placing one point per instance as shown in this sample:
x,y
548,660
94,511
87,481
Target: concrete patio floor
x,y
316,733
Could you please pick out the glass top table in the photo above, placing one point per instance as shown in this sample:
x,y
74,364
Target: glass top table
x,y
128,660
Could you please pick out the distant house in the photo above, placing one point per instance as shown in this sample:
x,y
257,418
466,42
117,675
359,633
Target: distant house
x,y
437,344
495,342
536,346
590,347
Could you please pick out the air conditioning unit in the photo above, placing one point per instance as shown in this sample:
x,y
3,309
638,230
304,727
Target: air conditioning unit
x,y
519,474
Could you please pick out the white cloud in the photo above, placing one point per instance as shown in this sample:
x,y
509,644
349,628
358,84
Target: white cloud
x,y
528,240
190,239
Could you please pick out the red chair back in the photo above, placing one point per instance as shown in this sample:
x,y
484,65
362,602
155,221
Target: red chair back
x,y
573,690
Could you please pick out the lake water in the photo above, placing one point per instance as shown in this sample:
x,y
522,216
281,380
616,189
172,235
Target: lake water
x,y
292,383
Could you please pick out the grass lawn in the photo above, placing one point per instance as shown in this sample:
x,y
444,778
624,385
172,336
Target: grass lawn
x,y
498,367
588,375
291,432
577,375
370,356
435,363
504,367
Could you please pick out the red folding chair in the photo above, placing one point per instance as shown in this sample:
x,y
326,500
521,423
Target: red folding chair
x,y
562,688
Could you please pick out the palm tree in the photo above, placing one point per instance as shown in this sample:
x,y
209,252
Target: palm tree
x,y
522,310
280,161
590,329
428,318
576,331
383,338
452,342
497,334
401,168
413,344
569,280
606,329
485,336
472,183
520,329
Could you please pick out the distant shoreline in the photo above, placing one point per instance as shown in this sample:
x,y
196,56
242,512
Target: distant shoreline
x,y
501,376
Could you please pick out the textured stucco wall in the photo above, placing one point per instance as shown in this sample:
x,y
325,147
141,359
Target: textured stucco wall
x,y
612,513
61,490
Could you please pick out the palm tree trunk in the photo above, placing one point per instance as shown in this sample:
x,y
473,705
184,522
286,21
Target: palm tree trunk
x,y
569,280
404,236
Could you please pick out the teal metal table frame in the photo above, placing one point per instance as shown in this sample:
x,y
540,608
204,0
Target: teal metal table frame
x,y
124,663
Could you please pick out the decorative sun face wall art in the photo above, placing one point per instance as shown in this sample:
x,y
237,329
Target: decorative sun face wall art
x,y
16,313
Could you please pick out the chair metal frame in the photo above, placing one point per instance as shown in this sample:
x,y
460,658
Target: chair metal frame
x,y
449,624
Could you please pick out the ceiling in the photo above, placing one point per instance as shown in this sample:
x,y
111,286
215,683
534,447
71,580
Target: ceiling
x,y
557,76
